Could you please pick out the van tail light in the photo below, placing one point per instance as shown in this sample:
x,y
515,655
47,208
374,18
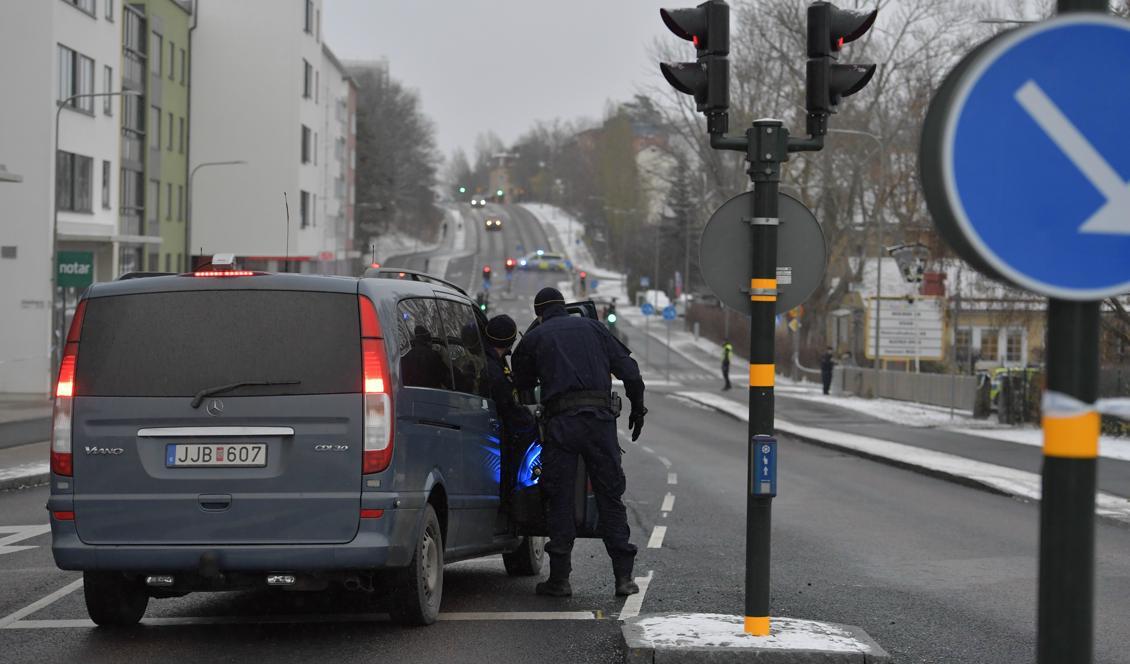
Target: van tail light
x,y
62,415
377,450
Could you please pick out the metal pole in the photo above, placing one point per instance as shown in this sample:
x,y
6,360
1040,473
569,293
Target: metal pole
x,y
1065,613
768,147
668,351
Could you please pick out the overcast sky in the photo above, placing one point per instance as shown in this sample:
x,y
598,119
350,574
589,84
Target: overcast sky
x,y
498,65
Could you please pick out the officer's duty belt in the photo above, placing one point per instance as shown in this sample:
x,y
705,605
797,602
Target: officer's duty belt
x,y
572,400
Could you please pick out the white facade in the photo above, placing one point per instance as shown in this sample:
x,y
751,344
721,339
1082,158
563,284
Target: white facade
x,y
258,93
338,129
656,168
32,42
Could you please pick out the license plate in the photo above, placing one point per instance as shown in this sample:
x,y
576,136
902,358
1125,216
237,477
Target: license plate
x,y
212,455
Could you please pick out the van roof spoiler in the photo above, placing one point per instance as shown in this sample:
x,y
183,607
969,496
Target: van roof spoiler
x,y
397,273
142,275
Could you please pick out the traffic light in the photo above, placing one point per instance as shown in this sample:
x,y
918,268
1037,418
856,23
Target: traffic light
x,y
829,28
510,265
486,274
708,78
462,190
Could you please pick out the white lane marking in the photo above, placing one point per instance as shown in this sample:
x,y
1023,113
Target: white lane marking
x,y
20,533
647,449
1111,218
312,619
656,540
668,503
624,433
666,463
634,603
11,618
672,478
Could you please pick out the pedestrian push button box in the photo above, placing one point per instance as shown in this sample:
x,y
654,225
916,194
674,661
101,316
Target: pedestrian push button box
x,y
763,453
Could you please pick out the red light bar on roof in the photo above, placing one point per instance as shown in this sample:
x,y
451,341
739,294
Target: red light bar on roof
x,y
224,273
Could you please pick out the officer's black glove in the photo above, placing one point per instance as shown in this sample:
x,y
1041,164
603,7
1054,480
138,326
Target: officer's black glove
x,y
635,422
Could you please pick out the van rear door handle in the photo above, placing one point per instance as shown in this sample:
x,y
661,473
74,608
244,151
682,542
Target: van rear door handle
x,y
441,425
215,502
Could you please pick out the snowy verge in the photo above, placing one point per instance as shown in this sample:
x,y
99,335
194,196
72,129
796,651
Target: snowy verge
x,y
683,632
1000,479
389,245
24,474
1110,447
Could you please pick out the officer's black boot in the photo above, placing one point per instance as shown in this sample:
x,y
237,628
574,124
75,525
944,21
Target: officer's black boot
x,y
626,586
554,588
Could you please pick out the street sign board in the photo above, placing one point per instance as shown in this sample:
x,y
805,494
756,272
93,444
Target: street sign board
x,y
907,329
726,256
1025,168
669,312
647,309
645,282
75,269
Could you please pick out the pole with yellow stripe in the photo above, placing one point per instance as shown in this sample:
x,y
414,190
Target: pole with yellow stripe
x,y
1065,616
768,147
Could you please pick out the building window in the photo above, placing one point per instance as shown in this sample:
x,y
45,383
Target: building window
x,y
134,114
105,185
308,25
180,141
180,202
169,145
304,209
168,201
305,144
168,262
318,26
73,182
313,209
989,344
85,5
172,60
76,77
182,66
156,54
155,128
108,86
315,152
1014,346
307,80
109,10
317,84
153,205
962,341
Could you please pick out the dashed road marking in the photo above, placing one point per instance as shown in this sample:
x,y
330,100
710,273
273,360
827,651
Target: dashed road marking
x,y
672,478
668,503
19,534
656,540
666,463
634,603
10,619
647,449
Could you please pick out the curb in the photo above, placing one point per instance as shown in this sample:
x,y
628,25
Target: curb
x,y
947,476
25,482
21,432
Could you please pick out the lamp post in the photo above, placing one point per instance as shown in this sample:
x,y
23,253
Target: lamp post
x,y
882,149
56,317
188,205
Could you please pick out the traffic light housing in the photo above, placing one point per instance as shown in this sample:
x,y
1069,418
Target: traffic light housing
x,y
707,79
486,273
827,81
510,265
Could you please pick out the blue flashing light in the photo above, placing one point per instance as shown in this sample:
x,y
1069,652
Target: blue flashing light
x,y
527,477
492,462
540,252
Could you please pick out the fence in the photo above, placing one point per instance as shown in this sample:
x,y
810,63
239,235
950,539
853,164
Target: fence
x,y
944,390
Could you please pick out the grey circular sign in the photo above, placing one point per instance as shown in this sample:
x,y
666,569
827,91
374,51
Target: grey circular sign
x,y
726,253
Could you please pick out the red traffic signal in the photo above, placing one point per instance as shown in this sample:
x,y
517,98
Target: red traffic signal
x,y
707,26
375,265
829,28
584,274
486,269
509,262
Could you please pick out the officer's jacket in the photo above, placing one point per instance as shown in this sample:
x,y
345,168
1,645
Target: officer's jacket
x,y
517,420
569,354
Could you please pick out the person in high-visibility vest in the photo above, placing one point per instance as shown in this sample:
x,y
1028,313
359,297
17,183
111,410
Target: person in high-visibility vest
x,y
727,354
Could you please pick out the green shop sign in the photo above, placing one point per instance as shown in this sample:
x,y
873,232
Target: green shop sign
x,y
75,269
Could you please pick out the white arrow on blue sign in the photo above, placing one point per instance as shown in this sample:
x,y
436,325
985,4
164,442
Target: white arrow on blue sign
x,y
1035,157
647,309
669,312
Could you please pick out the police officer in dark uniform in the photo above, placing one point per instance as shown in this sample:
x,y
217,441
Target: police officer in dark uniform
x,y
519,428
573,359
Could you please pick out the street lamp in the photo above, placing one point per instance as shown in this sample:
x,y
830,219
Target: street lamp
x,y
188,205
882,150
57,318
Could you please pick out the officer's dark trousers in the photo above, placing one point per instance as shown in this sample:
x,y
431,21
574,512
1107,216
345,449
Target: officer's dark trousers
x,y
590,435
726,374
826,378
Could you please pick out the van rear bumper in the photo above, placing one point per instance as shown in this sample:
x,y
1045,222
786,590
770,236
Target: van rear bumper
x,y
386,542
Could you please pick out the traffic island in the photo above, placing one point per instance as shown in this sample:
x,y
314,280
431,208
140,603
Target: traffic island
x,y
718,638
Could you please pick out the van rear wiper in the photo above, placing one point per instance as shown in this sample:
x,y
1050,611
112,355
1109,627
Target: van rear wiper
x,y
212,391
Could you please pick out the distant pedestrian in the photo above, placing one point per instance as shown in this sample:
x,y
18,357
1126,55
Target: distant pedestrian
x,y
727,355
827,362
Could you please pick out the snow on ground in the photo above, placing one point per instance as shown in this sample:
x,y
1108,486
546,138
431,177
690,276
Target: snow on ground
x,y
396,244
713,630
1013,482
567,235
1110,447
24,470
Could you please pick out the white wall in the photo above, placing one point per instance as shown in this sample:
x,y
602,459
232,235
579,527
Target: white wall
x,y
28,49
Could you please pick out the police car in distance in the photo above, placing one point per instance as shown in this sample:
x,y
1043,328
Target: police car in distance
x,y
493,223
544,260
226,429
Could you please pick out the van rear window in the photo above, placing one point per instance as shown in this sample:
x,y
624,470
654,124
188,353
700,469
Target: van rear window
x,y
178,343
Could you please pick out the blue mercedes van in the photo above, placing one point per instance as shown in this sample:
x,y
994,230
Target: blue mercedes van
x,y
233,429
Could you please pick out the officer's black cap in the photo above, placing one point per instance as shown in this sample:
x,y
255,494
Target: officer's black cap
x,y
501,331
546,297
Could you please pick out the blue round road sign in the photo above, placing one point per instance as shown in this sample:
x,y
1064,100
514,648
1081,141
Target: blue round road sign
x,y
647,308
669,312
1032,157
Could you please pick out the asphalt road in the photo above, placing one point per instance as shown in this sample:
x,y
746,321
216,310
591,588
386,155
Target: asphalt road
x,y
935,572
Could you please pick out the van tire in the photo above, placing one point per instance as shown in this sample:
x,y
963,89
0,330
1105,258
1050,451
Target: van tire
x,y
417,590
114,599
527,559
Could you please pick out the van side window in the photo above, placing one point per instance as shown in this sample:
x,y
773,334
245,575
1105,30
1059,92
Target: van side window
x,y
424,360
468,362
